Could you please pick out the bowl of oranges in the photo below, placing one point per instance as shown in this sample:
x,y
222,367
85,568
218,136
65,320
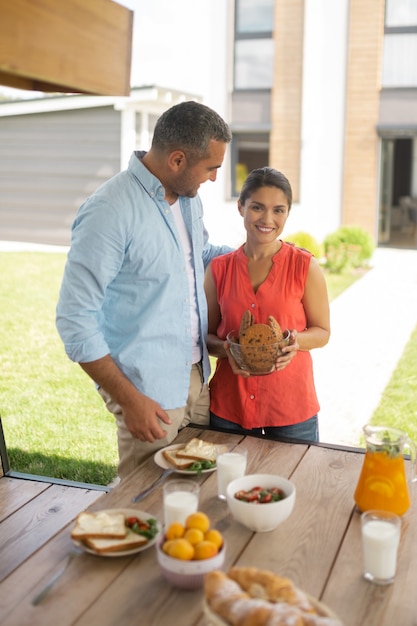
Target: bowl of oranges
x,y
186,552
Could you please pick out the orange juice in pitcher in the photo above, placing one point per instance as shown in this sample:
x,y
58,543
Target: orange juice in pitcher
x,y
383,480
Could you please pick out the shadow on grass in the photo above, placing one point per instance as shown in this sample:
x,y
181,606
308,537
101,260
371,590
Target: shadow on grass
x,y
61,467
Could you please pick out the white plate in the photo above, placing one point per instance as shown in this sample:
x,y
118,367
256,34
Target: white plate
x,y
162,462
127,513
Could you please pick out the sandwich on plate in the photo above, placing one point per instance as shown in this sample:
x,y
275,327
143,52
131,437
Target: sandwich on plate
x,y
112,531
196,456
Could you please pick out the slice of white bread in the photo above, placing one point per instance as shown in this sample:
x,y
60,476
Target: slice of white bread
x,y
99,525
172,458
131,540
198,450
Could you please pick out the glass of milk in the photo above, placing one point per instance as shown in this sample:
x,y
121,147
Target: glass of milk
x,y
231,464
381,532
180,500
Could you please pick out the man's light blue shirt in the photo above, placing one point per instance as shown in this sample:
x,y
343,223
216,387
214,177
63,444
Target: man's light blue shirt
x,y
125,288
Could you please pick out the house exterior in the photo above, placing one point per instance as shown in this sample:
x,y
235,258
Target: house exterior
x,y
55,151
323,90
327,92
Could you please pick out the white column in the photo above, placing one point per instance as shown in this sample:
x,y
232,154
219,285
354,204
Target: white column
x,y
127,135
144,134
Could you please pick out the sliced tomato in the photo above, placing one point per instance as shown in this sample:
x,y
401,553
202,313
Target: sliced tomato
x,y
265,497
261,495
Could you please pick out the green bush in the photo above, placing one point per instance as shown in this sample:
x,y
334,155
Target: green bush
x,y
348,247
304,240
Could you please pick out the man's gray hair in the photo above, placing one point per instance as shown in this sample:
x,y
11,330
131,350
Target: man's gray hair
x,y
189,126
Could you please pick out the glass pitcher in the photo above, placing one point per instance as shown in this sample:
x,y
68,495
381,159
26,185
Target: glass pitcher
x,y
383,480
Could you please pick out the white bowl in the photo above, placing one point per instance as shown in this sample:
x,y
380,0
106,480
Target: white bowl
x,y
261,517
188,574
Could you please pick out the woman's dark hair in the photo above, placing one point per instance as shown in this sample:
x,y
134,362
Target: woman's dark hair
x,y
189,126
265,177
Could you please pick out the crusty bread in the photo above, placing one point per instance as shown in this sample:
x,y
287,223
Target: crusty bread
x,y
172,458
198,450
101,546
269,586
246,322
251,333
259,344
101,525
251,597
258,334
259,348
276,327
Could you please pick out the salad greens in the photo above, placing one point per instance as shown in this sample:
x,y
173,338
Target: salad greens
x,y
148,529
199,466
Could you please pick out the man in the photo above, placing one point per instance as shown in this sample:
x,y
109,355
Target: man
x,y
132,310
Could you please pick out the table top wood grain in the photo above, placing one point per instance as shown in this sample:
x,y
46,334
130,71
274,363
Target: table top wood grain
x,y
318,547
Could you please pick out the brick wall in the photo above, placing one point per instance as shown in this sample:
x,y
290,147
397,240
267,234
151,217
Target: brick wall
x,y
286,102
365,46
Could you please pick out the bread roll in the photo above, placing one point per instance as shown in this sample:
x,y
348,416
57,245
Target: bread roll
x,y
248,596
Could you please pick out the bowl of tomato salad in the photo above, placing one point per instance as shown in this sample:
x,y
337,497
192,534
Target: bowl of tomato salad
x,y
261,501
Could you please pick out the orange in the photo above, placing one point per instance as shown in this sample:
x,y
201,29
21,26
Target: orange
x,y
198,520
205,550
166,546
181,549
174,531
193,535
215,537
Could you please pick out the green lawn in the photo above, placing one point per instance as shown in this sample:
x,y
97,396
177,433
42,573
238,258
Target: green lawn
x,y
398,406
336,283
54,421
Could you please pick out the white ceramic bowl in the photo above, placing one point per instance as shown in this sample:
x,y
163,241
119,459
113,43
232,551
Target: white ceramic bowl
x,y
261,517
188,574
264,355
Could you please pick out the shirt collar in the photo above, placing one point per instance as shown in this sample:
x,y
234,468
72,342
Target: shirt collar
x,y
148,181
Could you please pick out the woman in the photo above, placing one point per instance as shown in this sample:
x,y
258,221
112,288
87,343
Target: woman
x,y
268,277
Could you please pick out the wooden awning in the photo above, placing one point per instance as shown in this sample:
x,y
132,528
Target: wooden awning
x,y
71,46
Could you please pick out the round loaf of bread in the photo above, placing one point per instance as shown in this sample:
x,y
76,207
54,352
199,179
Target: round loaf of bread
x,y
259,347
258,334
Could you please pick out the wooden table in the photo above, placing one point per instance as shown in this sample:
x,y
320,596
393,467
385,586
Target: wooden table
x,y
318,547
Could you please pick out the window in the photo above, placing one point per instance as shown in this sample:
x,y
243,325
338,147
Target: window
x,y
254,63
400,44
249,151
254,47
253,80
400,13
254,16
399,65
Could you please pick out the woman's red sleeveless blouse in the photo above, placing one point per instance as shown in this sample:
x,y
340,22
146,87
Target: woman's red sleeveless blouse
x,y
284,397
